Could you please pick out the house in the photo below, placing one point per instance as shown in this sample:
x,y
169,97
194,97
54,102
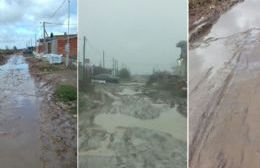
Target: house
x,y
56,44
182,60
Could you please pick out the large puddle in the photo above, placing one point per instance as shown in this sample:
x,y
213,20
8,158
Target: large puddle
x,y
19,116
224,81
224,40
170,122
240,18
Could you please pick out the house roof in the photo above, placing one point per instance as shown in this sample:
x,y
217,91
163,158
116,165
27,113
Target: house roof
x,y
56,36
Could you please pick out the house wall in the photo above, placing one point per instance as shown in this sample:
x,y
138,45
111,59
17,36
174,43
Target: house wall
x,y
61,42
57,46
49,48
40,48
54,46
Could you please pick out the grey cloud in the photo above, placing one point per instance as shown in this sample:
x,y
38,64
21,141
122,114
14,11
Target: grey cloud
x,y
27,15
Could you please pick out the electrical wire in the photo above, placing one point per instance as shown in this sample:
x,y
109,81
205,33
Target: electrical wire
x,y
58,9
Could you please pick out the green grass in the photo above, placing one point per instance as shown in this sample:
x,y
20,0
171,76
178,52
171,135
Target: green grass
x,y
66,93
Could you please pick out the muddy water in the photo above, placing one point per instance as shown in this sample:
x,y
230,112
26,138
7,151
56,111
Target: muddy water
x,y
240,18
19,116
170,122
224,90
132,131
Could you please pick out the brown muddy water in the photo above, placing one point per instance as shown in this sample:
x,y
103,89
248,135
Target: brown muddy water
x,y
224,91
19,116
170,122
133,131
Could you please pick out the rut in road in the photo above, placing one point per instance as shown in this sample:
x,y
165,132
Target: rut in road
x,y
19,116
224,80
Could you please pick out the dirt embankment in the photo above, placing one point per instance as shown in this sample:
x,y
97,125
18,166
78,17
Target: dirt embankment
x,y
203,14
58,119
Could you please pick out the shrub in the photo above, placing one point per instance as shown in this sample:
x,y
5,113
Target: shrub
x,y
66,93
124,73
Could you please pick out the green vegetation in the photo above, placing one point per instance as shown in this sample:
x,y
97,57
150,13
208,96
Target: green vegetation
x,y
66,93
124,74
164,81
46,67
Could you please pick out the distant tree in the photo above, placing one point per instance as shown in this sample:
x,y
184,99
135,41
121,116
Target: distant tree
x,y
6,48
124,73
15,48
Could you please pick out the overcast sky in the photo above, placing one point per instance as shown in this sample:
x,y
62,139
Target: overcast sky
x,y
139,33
20,20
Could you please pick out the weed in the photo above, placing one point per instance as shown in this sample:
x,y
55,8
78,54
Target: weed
x,y
66,93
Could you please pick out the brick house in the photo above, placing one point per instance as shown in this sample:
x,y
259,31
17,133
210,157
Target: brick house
x,y
57,44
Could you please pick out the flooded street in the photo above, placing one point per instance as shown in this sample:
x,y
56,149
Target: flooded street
x,y
224,91
127,128
19,116
168,122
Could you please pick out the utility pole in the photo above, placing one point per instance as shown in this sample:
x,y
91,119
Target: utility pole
x,y
35,38
84,50
44,38
103,59
116,67
113,71
84,58
68,40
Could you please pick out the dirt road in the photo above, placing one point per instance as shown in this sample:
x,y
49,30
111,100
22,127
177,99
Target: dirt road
x,y
58,122
224,92
121,127
19,116
35,129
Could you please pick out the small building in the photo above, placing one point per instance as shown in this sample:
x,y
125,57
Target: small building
x,y
182,60
57,45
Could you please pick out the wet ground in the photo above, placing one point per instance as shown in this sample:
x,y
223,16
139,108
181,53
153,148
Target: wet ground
x,y
203,14
122,128
19,116
224,92
58,122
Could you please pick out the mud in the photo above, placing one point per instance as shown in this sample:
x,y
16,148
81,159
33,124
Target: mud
x,y
57,121
121,127
203,15
35,129
19,116
224,91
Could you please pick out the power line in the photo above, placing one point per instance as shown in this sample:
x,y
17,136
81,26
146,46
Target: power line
x,y
58,9
89,43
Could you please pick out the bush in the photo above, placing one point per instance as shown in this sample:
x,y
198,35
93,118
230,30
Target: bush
x,y
167,82
66,93
124,73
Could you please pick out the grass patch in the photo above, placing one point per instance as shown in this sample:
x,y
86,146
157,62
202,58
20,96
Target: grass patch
x,y
66,93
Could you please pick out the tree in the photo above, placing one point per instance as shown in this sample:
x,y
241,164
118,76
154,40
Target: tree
x,y
124,73
15,48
